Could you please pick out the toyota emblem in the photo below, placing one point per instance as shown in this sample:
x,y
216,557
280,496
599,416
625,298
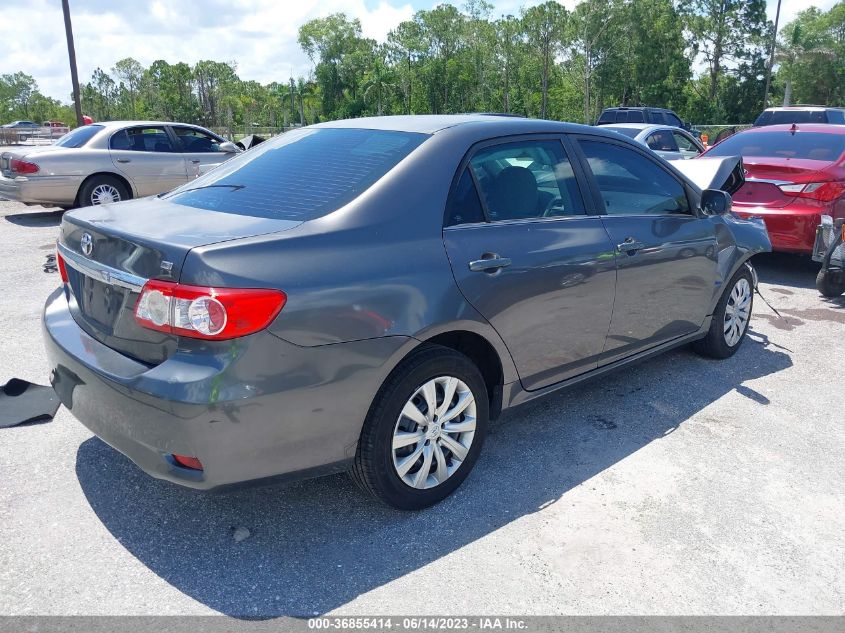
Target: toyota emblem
x,y
86,243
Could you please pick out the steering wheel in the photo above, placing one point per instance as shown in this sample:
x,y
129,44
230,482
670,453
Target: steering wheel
x,y
554,203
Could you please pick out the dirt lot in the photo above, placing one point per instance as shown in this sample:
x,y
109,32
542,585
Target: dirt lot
x,y
681,486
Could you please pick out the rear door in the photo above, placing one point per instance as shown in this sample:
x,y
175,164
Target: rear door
x,y
665,253
146,155
529,257
200,150
687,146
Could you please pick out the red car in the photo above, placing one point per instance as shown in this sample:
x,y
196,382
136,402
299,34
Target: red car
x,y
794,175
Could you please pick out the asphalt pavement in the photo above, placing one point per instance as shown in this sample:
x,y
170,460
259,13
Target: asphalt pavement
x,y
680,486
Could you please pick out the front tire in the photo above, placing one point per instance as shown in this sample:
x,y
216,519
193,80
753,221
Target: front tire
x,y
102,190
730,318
424,431
830,285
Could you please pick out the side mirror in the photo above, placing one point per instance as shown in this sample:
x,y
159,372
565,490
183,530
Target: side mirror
x,y
228,147
715,201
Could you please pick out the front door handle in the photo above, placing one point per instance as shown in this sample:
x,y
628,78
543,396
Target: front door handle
x,y
195,161
630,246
489,263
124,160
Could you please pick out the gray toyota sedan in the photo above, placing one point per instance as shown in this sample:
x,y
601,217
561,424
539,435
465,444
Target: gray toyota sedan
x,y
365,295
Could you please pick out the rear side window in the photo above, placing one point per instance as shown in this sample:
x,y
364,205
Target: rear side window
x,y
79,137
527,179
671,119
635,116
464,207
632,185
783,144
835,116
300,175
662,141
148,139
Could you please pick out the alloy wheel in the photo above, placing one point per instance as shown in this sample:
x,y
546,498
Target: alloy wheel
x,y
104,194
434,432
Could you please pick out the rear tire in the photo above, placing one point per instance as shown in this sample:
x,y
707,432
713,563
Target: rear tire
x,y
413,461
830,285
730,318
102,190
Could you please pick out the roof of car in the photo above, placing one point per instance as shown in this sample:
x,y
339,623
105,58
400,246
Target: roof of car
x,y
827,128
635,126
802,108
433,123
114,124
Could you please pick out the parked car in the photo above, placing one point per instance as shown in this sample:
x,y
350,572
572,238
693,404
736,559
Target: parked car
x,y
656,116
110,162
795,175
800,114
671,143
367,294
25,129
829,250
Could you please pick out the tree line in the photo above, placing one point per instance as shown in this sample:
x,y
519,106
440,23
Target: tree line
x,y
546,62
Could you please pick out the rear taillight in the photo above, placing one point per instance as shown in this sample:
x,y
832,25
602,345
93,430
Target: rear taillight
x,y
187,461
209,313
822,191
60,263
18,166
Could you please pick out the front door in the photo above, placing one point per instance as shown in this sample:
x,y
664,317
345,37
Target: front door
x,y
527,256
147,157
201,151
665,252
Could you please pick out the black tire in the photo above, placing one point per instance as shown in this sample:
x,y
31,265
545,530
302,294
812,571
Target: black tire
x,y
86,192
715,344
373,469
830,285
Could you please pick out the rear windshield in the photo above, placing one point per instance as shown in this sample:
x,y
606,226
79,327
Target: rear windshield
x,y
79,136
300,175
779,117
630,132
783,144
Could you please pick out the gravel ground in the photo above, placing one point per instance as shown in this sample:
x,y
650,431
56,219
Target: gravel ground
x,y
681,486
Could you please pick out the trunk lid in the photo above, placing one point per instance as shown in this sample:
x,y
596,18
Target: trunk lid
x,y
765,176
111,250
24,153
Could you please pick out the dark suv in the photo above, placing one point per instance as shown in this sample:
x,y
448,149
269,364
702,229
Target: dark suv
x,y
800,114
658,116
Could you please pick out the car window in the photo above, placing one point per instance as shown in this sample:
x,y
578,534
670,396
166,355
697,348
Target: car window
x,y
655,116
527,179
141,139
195,141
464,206
79,137
608,116
662,141
299,175
630,184
685,144
672,119
630,132
635,116
783,144
835,116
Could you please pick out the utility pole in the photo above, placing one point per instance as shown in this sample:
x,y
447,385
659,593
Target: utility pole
x,y
71,53
771,58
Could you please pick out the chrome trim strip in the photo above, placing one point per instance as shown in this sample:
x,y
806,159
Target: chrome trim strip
x,y
101,272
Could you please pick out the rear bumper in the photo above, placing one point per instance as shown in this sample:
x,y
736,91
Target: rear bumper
x,y
52,190
790,230
258,408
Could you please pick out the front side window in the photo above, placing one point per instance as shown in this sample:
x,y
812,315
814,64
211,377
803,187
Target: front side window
x,y
527,179
299,175
671,119
685,144
194,141
630,184
141,139
662,141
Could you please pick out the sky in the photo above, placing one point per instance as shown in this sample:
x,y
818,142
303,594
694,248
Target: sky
x,y
258,35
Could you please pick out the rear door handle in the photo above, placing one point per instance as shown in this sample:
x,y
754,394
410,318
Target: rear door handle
x,y
124,160
195,161
630,246
489,264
